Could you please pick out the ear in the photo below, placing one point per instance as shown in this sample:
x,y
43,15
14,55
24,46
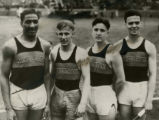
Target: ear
x,y
108,31
73,32
56,33
142,24
21,23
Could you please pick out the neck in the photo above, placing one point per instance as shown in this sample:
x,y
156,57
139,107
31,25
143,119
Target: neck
x,y
101,44
133,38
67,47
28,38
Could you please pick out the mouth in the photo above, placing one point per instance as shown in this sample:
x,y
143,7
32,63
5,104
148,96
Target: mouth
x,y
98,37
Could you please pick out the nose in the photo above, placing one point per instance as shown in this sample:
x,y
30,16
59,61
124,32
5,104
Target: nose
x,y
98,32
32,24
63,36
133,25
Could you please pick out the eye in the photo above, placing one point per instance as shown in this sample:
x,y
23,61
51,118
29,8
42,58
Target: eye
x,y
66,33
96,29
102,30
60,34
27,21
137,23
130,23
35,21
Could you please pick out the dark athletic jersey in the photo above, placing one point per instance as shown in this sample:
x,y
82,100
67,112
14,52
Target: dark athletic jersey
x,y
28,66
135,62
101,73
67,73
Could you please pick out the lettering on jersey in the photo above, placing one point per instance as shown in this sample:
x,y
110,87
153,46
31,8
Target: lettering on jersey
x,y
138,59
28,59
67,71
99,65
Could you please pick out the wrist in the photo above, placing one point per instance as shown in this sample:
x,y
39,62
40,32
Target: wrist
x,y
83,104
8,108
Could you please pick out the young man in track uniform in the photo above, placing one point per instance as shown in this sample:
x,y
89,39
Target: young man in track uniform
x,y
139,60
25,71
69,64
105,64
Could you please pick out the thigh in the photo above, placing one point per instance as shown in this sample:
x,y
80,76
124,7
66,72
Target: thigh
x,y
35,114
58,107
37,98
136,110
112,113
72,102
21,114
58,118
125,112
92,116
3,116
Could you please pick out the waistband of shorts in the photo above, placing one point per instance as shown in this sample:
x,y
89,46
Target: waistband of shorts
x,y
58,90
18,89
2,110
136,83
104,87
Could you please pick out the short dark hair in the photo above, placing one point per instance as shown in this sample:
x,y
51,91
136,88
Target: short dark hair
x,y
29,11
101,20
65,23
131,12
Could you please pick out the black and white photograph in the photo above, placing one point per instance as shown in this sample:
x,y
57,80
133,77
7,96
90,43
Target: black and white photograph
x,y
79,60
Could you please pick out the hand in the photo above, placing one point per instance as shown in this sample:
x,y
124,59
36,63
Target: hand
x,y
46,113
148,105
80,110
11,115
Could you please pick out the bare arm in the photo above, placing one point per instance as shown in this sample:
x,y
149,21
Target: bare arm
x,y
51,71
117,65
46,73
151,50
52,58
7,58
85,69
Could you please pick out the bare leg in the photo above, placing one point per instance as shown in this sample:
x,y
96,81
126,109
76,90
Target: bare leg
x,y
35,114
136,110
125,112
92,116
21,114
58,118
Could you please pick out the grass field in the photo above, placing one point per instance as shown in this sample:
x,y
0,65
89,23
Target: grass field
x,y
10,26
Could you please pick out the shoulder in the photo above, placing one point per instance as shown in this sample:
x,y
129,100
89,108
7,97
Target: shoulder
x,y
87,49
81,53
112,53
54,50
82,57
45,44
150,47
116,47
9,47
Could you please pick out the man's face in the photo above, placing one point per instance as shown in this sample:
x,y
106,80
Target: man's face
x,y
99,32
65,36
133,24
30,25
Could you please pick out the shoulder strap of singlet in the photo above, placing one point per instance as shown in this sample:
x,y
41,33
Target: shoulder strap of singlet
x,y
90,51
70,59
38,45
124,47
103,52
19,45
142,46
73,55
58,58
